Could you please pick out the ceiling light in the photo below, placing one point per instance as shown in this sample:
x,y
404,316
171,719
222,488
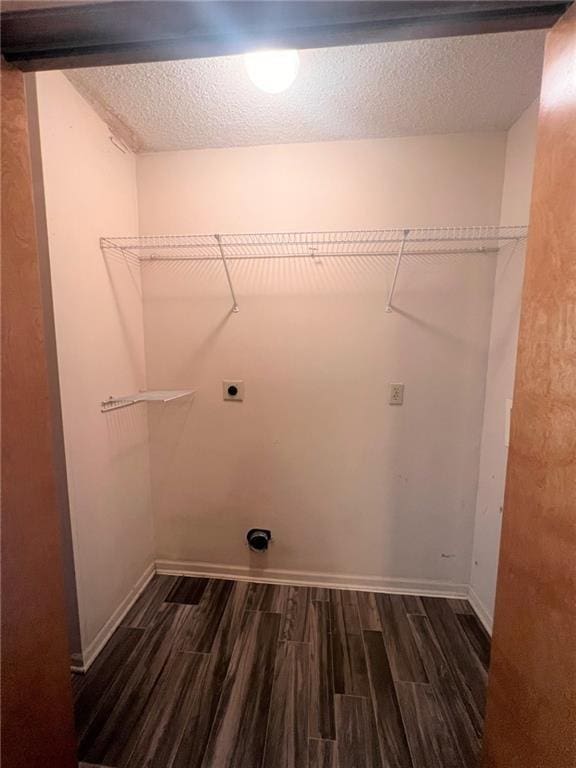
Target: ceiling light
x,y
272,71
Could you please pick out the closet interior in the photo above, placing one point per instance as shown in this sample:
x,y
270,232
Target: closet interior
x,y
286,330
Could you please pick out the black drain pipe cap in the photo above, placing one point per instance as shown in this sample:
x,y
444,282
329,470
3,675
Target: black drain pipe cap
x,y
258,539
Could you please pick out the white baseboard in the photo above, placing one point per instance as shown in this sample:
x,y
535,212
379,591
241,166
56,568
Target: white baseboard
x,y
81,662
427,588
481,611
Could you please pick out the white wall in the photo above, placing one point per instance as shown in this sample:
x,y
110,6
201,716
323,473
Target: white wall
x,y
90,190
520,148
348,484
426,180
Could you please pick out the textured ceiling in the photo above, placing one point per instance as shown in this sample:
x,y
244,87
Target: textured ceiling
x,y
445,85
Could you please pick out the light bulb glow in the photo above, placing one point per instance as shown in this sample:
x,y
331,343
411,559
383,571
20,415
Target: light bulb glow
x,y
272,71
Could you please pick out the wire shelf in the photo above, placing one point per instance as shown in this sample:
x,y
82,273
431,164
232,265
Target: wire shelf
x,y
382,242
399,243
147,396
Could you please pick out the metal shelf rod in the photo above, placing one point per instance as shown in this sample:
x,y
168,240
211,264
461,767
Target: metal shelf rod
x,y
235,307
320,255
396,270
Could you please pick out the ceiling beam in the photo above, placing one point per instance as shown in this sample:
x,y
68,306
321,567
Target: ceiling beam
x,y
84,34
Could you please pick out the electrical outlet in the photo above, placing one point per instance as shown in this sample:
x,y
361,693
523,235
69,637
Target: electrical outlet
x,y
396,394
233,390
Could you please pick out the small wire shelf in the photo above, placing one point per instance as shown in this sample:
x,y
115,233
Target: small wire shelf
x,y
397,243
147,396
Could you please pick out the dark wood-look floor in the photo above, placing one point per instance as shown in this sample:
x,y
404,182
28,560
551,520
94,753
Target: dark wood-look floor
x,y
205,673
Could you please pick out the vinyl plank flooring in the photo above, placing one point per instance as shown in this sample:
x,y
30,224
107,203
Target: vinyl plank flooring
x,y
477,637
368,611
401,648
413,604
239,730
193,745
466,737
287,733
296,613
374,755
350,673
111,739
270,598
469,673
355,743
429,740
229,628
150,601
272,676
187,590
355,677
321,715
322,754
344,612
102,675
199,632
389,725
343,596
174,707
460,606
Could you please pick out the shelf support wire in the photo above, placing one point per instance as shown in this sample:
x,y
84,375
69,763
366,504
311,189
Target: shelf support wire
x,y
397,269
235,307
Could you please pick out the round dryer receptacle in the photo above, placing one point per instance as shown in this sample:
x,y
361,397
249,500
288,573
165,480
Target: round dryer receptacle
x,y
258,539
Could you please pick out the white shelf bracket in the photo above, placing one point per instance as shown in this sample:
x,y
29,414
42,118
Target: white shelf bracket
x,y
235,307
397,270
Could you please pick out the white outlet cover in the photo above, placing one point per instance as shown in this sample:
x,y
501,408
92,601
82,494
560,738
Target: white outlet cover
x,y
239,384
396,394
